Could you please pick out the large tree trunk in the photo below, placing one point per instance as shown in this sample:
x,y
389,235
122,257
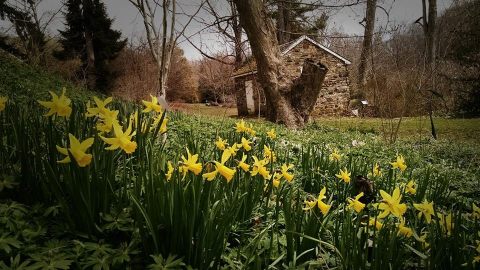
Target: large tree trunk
x,y
91,74
237,40
283,22
90,69
366,47
288,102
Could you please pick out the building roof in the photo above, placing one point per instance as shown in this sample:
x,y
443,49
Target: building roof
x,y
250,67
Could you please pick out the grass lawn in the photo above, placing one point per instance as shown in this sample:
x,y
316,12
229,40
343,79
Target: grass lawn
x,y
202,109
411,128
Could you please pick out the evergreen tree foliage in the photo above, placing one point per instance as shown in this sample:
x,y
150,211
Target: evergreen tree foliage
x,y
91,16
295,18
27,30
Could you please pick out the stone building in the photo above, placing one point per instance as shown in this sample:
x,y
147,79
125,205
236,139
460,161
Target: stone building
x,y
334,96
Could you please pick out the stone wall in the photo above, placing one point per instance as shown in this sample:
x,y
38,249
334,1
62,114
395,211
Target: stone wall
x,y
334,96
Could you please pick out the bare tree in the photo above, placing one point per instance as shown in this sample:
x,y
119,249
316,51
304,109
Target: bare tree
x,y
216,78
162,38
289,102
367,46
429,17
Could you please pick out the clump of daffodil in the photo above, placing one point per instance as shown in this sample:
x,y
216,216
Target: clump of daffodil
x,y
190,164
399,163
375,222
259,168
58,105
101,108
156,121
108,119
121,139
404,230
335,155
246,144
3,103
78,150
355,204
425,209
268,154
152,105
411,187
221,143
391,204
344,175
241,127
319,202
233,149
446,222
276,179
241,164
220,168
288,176
423,240
170,171
375,171
475,211
251,131
476,259
271,134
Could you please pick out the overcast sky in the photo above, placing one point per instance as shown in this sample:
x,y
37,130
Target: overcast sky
x,y
128,21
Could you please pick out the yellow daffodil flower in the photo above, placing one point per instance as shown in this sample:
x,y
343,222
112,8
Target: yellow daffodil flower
x,y
121,139
221,143
285,174
375,222
423,240
152,105
78,150
344,175
399,163
246,144
276,179
324,208
259,168
271,134
426,209
220,168
268,154
446,222
251,131
58,105
240,126
391,204
376,170
475,211
476,259
190,164
233,149
355,204
404,230
100,109
242,164
3,102
170,170
411,187
108,119
335,155
156,120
